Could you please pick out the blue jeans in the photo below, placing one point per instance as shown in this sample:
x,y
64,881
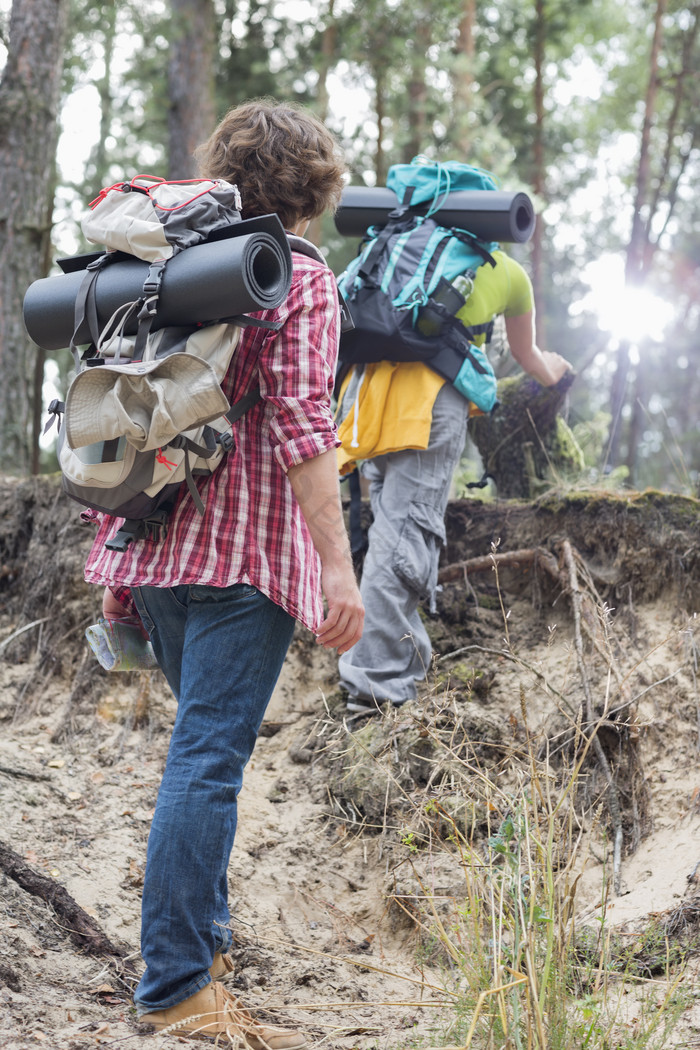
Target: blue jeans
x,y
221,649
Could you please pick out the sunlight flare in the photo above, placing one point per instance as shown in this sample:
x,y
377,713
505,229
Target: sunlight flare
x,y
627,312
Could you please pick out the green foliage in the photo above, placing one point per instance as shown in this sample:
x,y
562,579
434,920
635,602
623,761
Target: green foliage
x,y
412,88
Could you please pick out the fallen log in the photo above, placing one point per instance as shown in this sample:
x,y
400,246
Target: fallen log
x,y
82,929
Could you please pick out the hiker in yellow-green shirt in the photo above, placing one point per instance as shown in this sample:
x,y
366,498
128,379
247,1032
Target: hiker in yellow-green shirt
x,y
406,427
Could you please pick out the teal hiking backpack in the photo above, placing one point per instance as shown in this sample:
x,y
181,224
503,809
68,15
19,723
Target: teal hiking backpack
x,y
411,277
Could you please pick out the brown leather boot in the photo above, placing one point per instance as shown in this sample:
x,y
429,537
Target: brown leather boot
x,y
221,966
212,1012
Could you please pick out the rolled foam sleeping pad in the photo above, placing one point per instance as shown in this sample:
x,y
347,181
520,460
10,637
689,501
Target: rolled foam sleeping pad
x,y
492,215
236,273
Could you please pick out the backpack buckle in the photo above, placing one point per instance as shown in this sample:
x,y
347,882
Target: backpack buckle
x,y
56,410
155,526
154,278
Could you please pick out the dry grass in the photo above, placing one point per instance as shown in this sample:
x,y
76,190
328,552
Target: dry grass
x,y
489,827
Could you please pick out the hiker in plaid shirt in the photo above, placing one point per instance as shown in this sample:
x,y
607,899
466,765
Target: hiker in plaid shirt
x,y
220,594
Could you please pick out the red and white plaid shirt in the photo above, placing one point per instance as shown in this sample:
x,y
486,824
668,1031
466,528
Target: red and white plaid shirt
x,y
253,530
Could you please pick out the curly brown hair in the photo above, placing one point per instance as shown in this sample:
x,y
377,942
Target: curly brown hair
x,y
282,158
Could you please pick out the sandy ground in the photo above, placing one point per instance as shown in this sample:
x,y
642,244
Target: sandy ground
x,y
321,943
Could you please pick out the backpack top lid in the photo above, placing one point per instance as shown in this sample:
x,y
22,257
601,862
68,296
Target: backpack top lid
x,y
433,180
154,219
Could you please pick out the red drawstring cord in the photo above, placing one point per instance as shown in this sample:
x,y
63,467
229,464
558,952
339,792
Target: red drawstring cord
x,y
211,183
161,458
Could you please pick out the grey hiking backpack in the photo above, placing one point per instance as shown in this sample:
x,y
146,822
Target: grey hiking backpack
x,y
146,411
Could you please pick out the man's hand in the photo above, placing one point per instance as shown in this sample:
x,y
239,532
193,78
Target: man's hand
x,y
316,487
345,618
112,609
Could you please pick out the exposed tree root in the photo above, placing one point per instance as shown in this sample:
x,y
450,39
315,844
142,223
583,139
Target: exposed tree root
x,y
591,727
82,929
537,556
590,619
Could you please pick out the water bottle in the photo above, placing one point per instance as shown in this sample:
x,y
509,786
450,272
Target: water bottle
x,y
452,295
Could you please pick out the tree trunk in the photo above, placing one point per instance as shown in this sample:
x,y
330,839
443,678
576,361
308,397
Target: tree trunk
x,y
418,132
636,249
380,165
618,400
539,167
29,97
98,165
191,116
328,47
636,427
463,79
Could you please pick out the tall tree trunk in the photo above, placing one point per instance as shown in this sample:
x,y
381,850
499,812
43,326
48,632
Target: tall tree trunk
x,y
636,249
29,97
191,115
417,90
665,190
636,427
463,79
329,39
381,167
97,169
539,167
328,46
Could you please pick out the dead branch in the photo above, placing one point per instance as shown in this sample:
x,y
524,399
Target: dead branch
x,y
23,774
81,927
536,556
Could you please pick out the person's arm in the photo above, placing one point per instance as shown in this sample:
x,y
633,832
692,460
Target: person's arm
x,y
543,365
315,485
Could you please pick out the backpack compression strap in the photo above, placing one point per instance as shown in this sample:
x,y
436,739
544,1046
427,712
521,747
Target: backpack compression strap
x,y
304,247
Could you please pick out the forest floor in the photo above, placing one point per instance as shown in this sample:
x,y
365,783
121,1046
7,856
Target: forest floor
x,y
345,881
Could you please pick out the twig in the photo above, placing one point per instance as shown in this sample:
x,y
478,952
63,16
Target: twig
x,y
20,630
507,654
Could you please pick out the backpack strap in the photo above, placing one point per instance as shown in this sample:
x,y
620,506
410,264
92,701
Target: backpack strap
x,y
471,330
148,305
395,217
144,308
304,247
474,242
154,525
85,309
358,540
238,409
246,321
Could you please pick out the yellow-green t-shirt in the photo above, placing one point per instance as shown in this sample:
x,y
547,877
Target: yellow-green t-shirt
x,y
391,403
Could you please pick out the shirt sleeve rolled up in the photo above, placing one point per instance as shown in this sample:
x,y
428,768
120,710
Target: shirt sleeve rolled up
x,y
297,370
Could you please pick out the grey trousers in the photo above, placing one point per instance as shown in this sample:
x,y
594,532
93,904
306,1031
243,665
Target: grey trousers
x,y
408,491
